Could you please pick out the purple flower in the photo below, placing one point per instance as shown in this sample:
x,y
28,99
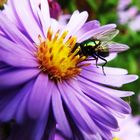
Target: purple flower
x,y
122,4
55,9
134,24
129,128
128,15
44,82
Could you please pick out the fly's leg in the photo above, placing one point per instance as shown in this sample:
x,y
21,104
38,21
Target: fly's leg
x,y
96,59
103,64
90,59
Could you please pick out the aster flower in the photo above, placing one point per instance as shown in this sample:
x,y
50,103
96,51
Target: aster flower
x,y
128,15
134,24
45,82
129,128
55,9
122,4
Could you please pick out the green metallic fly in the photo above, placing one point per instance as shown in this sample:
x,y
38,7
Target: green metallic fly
x,y
100,46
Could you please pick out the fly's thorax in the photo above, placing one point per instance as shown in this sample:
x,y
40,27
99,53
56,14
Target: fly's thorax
x,y
93,43
88,46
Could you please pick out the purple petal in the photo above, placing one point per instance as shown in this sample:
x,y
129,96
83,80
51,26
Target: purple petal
x,y
45,12
80,116
87,27
13,77
27,19
111,80
14,33
16,55
10,103
116,93
9,13
1,33
96,136
108,70
21,111
107,133
95,32
63,19
40,95
103,98
41,127
34,6
27,124
74,25
44,15
117,47
95,109
60,114
44,26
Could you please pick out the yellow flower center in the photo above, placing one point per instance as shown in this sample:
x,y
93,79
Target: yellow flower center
x,y
116,138
56,57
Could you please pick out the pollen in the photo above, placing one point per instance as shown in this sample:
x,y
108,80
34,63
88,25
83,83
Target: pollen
x,y
56,57
116,138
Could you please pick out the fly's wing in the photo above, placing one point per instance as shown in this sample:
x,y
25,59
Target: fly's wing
x,y
116,47
103,33
106,44
106,35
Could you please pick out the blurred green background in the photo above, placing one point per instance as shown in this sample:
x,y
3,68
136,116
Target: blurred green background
x,y
106,12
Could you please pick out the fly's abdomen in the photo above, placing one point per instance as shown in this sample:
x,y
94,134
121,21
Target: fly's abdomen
x,y
102,51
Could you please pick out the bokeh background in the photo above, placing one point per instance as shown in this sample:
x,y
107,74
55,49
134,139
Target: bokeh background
x,y
126,14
